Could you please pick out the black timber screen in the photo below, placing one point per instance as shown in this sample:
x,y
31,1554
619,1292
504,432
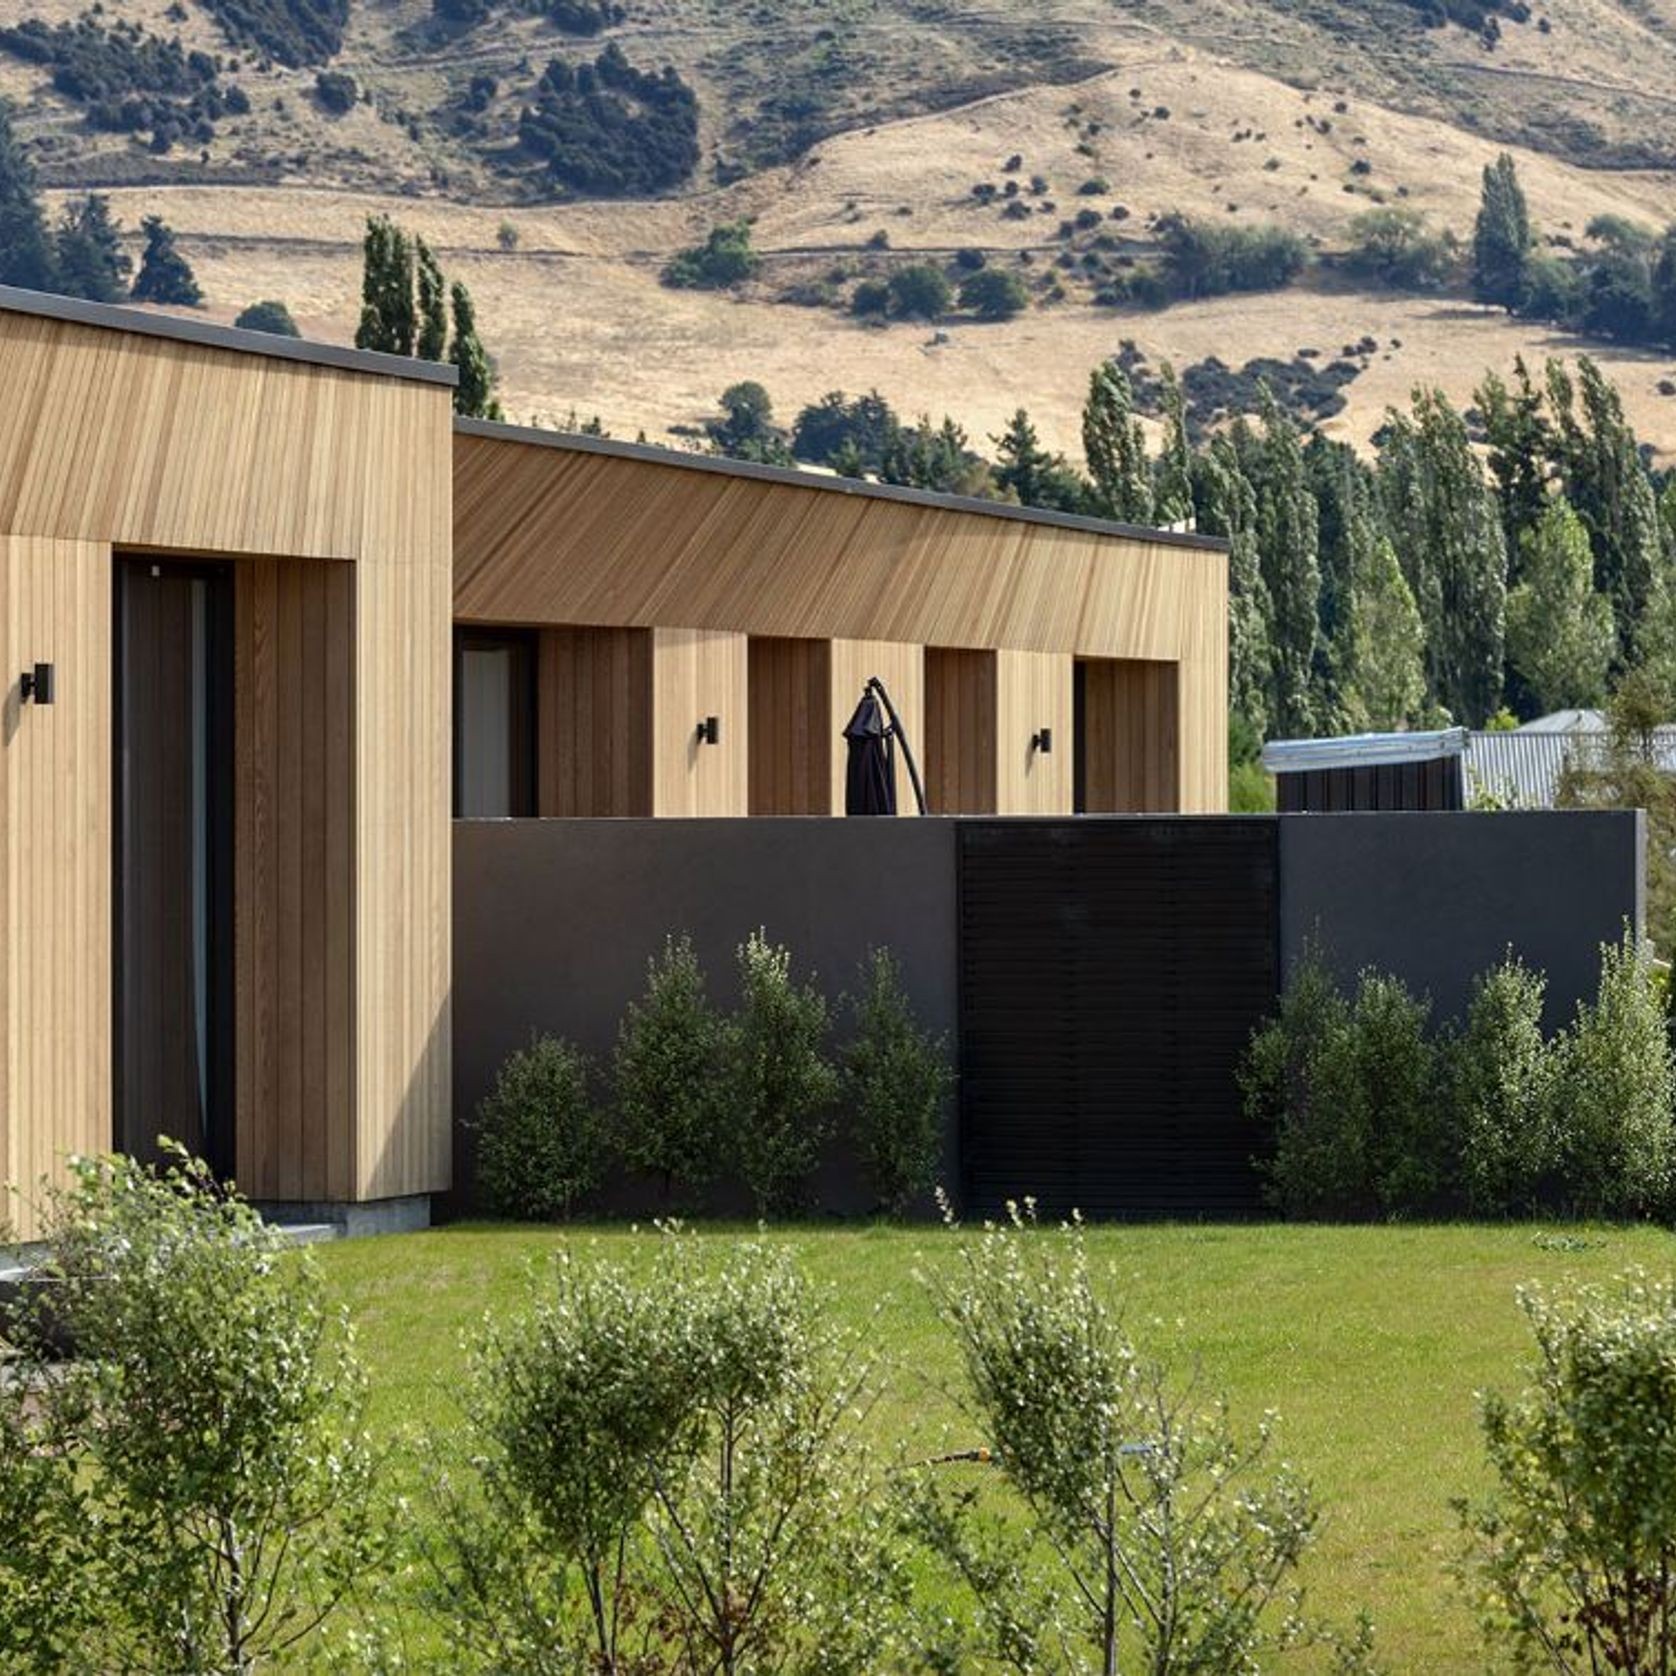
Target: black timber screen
x,y
1111,973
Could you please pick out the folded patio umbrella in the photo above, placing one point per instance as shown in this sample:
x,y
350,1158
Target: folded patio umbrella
x,y
870,774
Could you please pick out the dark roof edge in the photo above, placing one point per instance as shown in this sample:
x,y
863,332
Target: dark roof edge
x,y
115,318
834,485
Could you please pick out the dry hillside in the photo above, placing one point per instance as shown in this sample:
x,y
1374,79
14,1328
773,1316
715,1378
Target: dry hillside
x,y
1302,114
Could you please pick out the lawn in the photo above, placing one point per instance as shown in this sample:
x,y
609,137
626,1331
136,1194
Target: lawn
x,y
1368,1342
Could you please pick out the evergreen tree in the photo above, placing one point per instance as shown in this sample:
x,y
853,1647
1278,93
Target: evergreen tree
x,y
1172,494
1501,237
165,275
88,256
1115,446
1384,675
1560,634
1521,442
1288,546
25,251
1445,524
1226,505
475,395
387,308
1021,463
432,343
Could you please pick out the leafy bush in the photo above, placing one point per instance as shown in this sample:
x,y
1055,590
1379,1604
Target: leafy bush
x,y
218,1494
667,1073
336,91
725,259
1570,1553
1502,1089
870,298
541,1139
993,294
1137,1531
1205,260
1395,247
1613,1092
780,1085
268,316
920,292
898,1079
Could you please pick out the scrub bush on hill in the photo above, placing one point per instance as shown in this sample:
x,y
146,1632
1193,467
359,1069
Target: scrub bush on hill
x,y
724,260
542,1141
291,32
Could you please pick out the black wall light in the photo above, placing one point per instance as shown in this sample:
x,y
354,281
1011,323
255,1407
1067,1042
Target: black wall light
x,y
37,684
1042,741
710,731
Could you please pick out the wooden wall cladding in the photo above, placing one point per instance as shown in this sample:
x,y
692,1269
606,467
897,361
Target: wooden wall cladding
x,y
1033,691
557,535
294,862
1131,735
902,669
594,721
959,755
790,744
55,865
697,673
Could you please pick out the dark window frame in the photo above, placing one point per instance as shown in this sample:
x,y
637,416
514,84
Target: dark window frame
x,y
523,778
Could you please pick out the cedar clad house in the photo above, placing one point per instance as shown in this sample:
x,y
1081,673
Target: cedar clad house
x,y
269,615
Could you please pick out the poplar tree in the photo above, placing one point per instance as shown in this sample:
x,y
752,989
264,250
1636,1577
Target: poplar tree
x,y
432,342
1172,492
1344,500
1501,237
89,260
165,275
1446,527
1520,446
388,322
25,251
1385,677
1226,505
1560,634
1288,538
475,394
1115,446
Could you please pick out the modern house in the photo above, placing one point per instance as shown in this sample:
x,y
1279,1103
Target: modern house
x,y
269,615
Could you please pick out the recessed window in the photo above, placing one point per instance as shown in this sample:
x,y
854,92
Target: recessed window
x,y
494,724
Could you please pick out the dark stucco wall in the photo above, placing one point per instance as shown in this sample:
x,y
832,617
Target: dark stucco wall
x,y
554,922
1438,898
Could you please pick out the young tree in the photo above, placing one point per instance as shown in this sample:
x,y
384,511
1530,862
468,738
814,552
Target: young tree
x,y
388,323
26,256
1115,447
474,396
1385,679
1288,544
1501,237
667,1074
432,341
1560,636
165,275
1034,477
89,260
1227,506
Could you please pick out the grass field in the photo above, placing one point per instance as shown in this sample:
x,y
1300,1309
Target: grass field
x,y
1369,1342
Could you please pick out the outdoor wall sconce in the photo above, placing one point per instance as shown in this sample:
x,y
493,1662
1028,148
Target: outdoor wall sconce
x,y
37,684
710,731
1042,741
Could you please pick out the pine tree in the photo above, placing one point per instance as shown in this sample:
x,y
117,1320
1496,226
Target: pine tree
x,y
165,275
1288,545
432,343
25,251
387,308
88,256
1021,463
1384,676
475,395
1226,505
1501,237
1560,634
1172,493
1521,443
1115,446
1443,519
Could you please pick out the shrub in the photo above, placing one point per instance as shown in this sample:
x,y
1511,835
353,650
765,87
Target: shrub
x,y
667,1074
541,1140
898,1080
920,292
294,32
1137,1531
871,298
506,236
212,1417
725,259
779,1083
994,294
1571,1551
336,90
270,316
1396,1070
1613,1092
1204,260
1502,1093
1396,248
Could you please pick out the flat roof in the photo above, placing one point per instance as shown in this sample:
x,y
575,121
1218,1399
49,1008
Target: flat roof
x,y
115,318
1362,750
722,466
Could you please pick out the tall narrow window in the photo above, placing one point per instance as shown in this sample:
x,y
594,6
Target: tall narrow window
x,y
494,724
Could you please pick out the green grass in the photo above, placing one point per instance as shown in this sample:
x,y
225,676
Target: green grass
x,y
1369,1342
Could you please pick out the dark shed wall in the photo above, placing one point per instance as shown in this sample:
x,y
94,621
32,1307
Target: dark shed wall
x,y
555,921
1438,898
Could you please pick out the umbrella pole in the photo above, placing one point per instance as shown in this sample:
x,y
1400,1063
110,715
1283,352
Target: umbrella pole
x,y
876,685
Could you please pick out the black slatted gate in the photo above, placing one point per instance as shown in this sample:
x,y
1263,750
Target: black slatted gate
x,y
1111,972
